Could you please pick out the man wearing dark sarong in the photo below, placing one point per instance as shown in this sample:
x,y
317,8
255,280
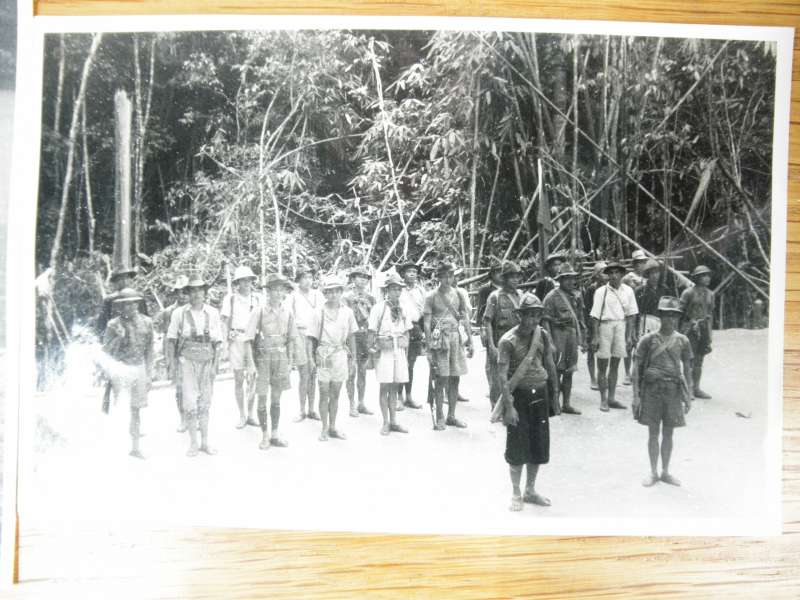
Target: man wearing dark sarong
x,y
563,313
527,375
697,304
661,383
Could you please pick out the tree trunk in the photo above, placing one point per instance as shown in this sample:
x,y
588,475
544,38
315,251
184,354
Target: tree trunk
x,y
90,219
55,251
474,179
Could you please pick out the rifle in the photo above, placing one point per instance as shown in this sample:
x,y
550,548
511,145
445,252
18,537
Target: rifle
x,y
432,390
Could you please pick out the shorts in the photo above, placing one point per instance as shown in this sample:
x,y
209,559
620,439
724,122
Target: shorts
x,y
197,384
134,381
332,364
565,340
236,354
451,361
362,348
612,340
391,366
273,371
662,402
529,440
303,356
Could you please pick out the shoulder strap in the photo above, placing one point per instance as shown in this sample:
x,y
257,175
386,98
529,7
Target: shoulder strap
x,y
569,306
232,305
523,365
450,306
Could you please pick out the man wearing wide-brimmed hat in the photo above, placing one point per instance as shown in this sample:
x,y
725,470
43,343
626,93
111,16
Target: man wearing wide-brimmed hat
x,y
273,345
389,328
636,278
119,279
195,336
236,309
697,304
647,297
528,381
563,319
332,335
412,299
449,339
552,266
360,302
161,322
599,279
613,321
305,300
129,340
661,383
499,316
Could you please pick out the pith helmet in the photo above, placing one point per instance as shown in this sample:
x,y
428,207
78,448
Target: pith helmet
x,y
127,295
701,270
510,268
277,279
669,304
359,272
180,283
651,264
614,266
566,270
196,282
529,302
243,272
599,267
332,282
393,279
638,255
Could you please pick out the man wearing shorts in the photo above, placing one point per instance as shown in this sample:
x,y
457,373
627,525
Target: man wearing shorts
x,y
661,382
613,321
446,321
563,320
129,340
237,307
360,302
304,302
273,347
527,375
195,338
332,337
634,279
389,329
412,299
499,316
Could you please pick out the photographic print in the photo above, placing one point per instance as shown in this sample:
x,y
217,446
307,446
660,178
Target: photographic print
x,y
434,276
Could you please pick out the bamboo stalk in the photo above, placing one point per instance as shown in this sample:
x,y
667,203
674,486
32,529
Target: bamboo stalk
x,y
474,179
403,233
488,211
523,221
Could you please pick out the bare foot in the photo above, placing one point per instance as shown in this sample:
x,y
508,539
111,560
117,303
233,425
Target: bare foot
x,y
398,428
385,430
299,418
192,451
336,434
208,450
252,422
312,415
516,503
538,499
650,480
242,423
264,445
136,454
364,410
182,427
667,478
323,437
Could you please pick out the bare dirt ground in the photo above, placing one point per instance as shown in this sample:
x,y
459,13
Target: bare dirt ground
x,y
452,481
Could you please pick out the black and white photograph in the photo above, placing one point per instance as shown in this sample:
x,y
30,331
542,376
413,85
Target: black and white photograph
x,y
404,275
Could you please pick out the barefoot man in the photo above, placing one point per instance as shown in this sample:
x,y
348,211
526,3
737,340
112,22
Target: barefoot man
x,y
360,302
237,307
162,323
528,380
195,336
129,340
661,382
449,340
634,279
272,349
305,301
697,304
389,329
332,337
412,298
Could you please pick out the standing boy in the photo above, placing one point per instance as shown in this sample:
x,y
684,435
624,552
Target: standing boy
x,y
412,299
305,301
360,302
697,304
162,321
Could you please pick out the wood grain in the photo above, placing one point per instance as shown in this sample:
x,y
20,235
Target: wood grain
x,y
248,564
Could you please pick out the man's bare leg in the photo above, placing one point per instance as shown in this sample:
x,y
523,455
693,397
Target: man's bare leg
x,y
250,389
516,494
191,427
203,418
602,382
613,370
275,418
179,403
238,389
385,408
566,393
590,366
135,431
324,389
312,392
666,454
452,400
333,408
652,451
439,394
627,362
262,421
361,383
394,391
530,487
302,391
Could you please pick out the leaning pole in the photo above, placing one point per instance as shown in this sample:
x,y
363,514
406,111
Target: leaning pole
x,y
122,181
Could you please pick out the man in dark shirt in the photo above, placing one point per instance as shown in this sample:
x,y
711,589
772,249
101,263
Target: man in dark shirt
x,y
599,278
120,279
552,266
647,297
697,304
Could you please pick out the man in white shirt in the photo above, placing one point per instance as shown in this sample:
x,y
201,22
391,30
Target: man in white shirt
x,y
304,302
412,299
235,312
613,322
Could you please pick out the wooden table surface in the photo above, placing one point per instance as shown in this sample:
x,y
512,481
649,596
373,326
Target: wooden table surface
x,y
249,564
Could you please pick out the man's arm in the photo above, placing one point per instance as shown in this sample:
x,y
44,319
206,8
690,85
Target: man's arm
x,y
510,416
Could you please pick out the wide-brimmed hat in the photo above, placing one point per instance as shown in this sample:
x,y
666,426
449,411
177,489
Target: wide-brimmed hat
x,y
403,267
196,282
599,267
180,283
510,268
393,279
122,272
552,257
278,279
331,282
614,266
529,302
669,304
359,272
701,270
303,271
638,255
496,267
650,265
566,270
127,295
243,272
445,267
